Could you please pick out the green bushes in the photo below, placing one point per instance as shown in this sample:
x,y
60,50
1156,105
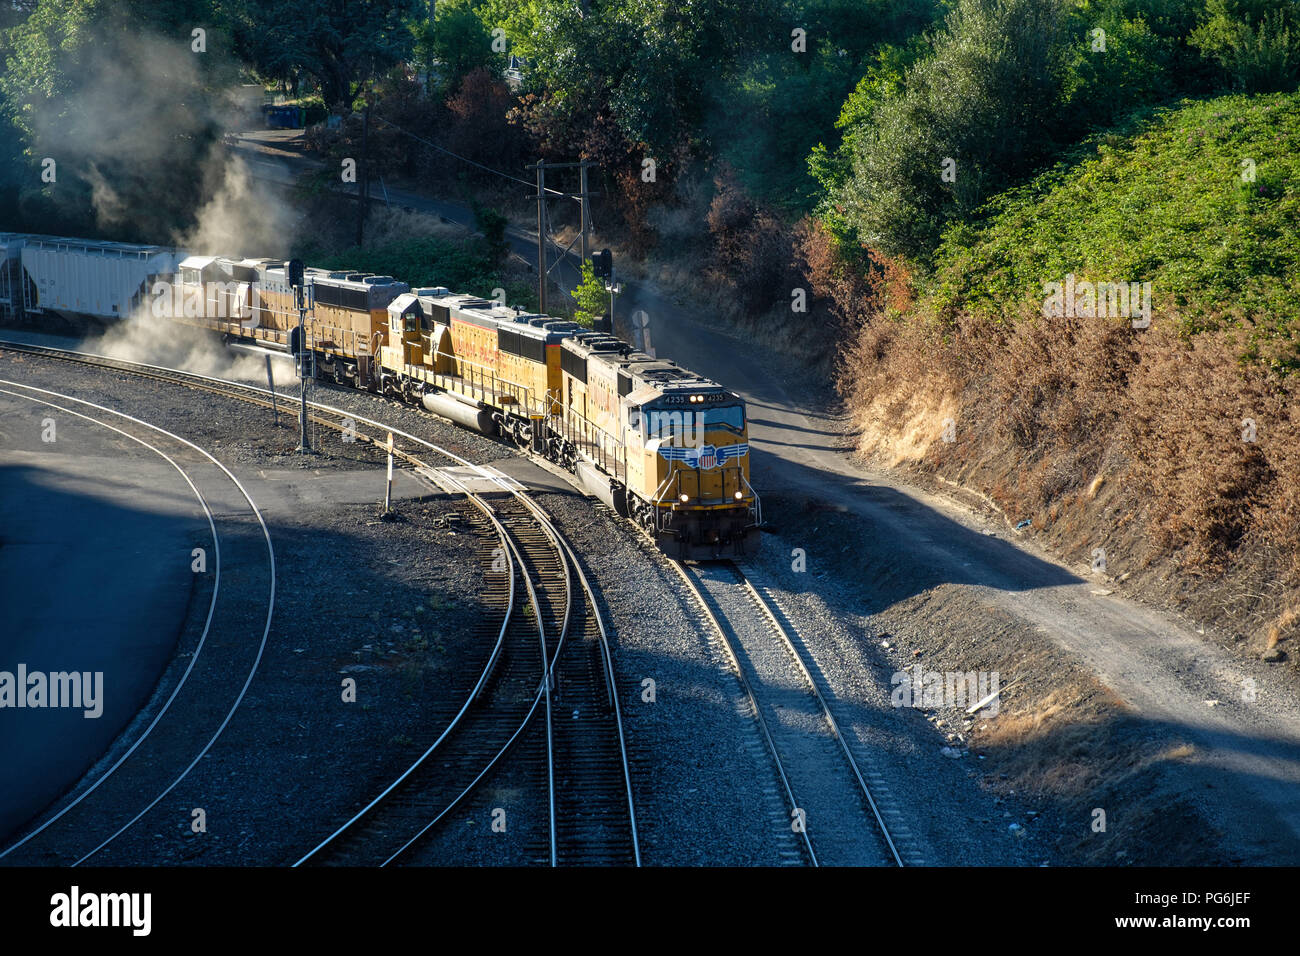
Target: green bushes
x,y
1203,203
971,115
1256,42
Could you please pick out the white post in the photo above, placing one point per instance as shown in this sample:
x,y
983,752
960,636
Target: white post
x,y
388,494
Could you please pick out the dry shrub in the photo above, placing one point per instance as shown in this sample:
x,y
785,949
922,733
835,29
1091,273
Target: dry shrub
x,y
1060,381
1210,489
831,279
677,223
1287,623
1090,426
900,384
478,127
751,248
890,281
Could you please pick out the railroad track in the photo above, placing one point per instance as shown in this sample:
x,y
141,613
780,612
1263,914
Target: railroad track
x,y
232,642
832,808
493,717
550,703
589,794
592,821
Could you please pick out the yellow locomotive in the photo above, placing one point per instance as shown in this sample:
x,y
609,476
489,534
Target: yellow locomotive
x,y
657,443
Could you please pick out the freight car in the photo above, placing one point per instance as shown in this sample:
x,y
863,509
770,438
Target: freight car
x,y
91,282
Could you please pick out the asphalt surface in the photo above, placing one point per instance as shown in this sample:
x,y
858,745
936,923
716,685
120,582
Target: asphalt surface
x,y
95,541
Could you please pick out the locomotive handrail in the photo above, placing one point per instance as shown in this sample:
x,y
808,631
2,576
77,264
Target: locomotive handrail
x,y
756,509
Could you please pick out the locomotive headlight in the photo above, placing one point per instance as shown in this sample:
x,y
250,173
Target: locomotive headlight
x,y
684,498
739,495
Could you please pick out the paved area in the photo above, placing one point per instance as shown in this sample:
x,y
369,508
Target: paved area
x,y
95,541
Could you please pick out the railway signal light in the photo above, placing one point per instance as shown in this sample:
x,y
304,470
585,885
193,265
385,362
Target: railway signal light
x,y
602,264
293,269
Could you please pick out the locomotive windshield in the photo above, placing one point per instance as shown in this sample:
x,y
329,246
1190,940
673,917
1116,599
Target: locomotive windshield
x,y
730,417
667,423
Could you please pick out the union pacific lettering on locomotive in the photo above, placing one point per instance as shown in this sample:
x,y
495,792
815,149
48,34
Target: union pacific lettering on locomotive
x,y
659,444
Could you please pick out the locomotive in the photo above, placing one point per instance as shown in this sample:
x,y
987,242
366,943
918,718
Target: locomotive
x,y
661,445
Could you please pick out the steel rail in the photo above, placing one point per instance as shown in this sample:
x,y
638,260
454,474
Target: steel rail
x,y
767,611
244,391
749,694
198,650
270,610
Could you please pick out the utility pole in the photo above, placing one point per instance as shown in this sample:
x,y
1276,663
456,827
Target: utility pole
x,y
303,445
583,197
541,235
582,204
363,199
294,273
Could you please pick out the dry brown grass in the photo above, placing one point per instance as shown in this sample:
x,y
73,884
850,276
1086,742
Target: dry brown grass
x,y
1099,432
1284,627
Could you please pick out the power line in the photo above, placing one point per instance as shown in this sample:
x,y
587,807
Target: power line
x,y
464,159
543,218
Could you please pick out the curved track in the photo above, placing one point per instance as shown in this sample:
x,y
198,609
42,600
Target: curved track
x,y
595,773
226,638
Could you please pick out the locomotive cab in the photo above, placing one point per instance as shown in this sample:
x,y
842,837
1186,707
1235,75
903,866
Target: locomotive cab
x,y
688,457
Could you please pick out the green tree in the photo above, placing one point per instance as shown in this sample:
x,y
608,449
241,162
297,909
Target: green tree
x,y
342,44
1255,42
831,168
973,114
115,94
646,66
775,103
492,224
591,298
455,43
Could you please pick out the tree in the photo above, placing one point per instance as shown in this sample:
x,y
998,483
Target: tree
x,y
116,96
455,43
973,114
776,104
492,225
590,295
477,126
831,169
646,65
13,12
342,44
1256,42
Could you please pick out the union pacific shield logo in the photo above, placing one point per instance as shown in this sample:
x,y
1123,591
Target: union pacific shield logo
x,y
706,457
